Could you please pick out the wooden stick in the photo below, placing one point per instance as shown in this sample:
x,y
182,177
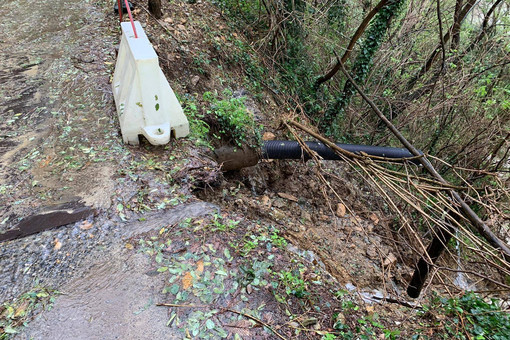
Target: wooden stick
x,y
257,320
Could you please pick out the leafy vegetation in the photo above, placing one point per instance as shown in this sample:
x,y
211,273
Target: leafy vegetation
x,y
235,121
206,276
469,317
15,315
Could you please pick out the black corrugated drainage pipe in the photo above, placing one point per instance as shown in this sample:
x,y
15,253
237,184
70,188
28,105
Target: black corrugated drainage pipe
x,y
236,158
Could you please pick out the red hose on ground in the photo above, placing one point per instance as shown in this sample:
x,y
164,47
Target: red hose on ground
x,y
131,18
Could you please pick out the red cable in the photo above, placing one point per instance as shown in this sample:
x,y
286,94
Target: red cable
x,y
131,18
120,10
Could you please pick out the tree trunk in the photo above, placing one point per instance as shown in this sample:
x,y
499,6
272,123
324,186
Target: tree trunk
x,y
433,56
354,38
155,8
456,26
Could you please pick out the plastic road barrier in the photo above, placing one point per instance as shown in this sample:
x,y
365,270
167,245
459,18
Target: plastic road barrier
x,y
146,104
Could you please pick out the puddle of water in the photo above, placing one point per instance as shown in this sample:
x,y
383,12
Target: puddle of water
x,y
115,300
170,217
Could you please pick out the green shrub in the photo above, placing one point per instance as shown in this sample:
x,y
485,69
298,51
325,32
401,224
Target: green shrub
x,y
234,120
474,316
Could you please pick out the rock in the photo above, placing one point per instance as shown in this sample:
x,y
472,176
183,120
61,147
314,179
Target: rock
x,y
372,252
195,80
340,210
279,203
268,136
266,202
287,196
389,260
57,244
374,218
278,214
86,225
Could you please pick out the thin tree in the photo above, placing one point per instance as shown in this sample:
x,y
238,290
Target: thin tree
x,y
359,32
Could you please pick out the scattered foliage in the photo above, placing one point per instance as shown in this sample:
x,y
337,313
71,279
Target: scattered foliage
x,y
15,315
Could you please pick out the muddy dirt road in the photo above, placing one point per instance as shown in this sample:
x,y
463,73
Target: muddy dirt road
x,y
57,134
56,124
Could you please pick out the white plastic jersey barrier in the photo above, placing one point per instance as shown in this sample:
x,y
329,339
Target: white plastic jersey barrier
x,y
145,101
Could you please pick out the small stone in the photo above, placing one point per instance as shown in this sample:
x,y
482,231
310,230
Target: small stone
x,y
374,218
57,244
266,202
340,210
268,136
390,259
372,252
278,214
288,196
195,80
86,225
279,203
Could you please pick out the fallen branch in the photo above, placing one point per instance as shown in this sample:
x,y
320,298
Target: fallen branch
x,y
476,222
398,302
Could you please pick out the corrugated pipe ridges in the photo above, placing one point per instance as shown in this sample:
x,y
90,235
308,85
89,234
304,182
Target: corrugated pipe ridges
x,y
277,149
